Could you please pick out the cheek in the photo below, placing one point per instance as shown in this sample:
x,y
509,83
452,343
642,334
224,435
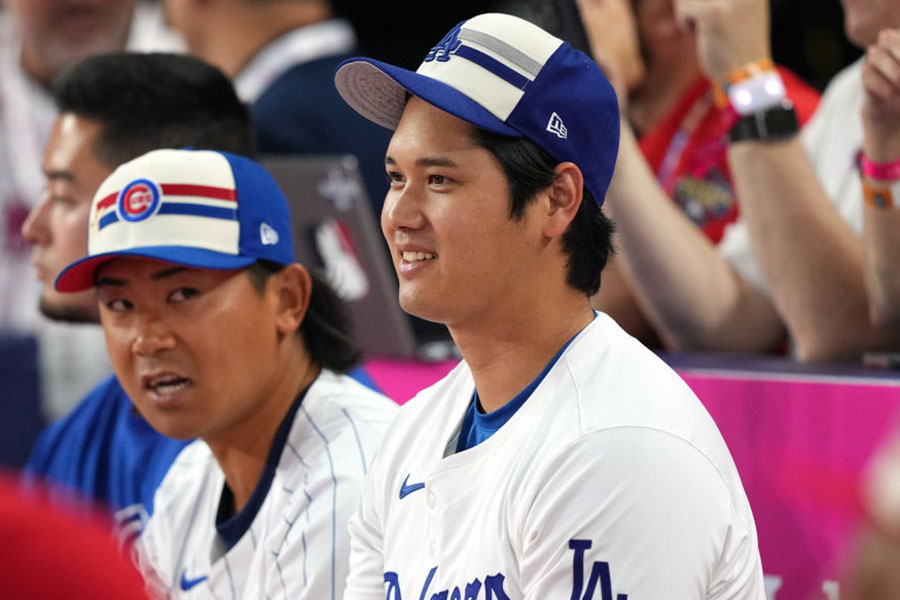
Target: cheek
x,y
118,343
73,233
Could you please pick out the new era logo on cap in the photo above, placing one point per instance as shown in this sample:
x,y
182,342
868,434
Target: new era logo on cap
x,y
267,235
556,126
198,208
504,74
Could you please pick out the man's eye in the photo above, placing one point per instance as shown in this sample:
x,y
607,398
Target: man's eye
x,y
438,179
182,294
119,305
394,177
61,200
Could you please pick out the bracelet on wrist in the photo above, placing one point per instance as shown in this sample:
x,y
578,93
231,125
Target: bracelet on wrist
x,y
889,171
752,70
880,196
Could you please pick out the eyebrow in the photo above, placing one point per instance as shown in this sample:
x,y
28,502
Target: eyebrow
x,y
64,175
427,161
113,281
163,274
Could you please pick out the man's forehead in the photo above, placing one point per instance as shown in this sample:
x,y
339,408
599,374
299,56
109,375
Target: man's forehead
x,y
132,267
429,130
71,142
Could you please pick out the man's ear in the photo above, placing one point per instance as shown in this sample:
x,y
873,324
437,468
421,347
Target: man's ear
x,y
564,195
292,286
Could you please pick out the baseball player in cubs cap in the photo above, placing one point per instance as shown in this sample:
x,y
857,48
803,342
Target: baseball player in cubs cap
x,y
217,333
561,458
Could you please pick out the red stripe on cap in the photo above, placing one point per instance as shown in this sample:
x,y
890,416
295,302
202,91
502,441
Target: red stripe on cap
x,y
200,191
108,201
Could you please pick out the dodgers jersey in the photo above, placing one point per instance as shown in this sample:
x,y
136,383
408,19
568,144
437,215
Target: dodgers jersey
x,y
610,482
296,545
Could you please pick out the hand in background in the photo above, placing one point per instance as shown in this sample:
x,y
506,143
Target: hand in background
x,y
881,102
730,33
612,33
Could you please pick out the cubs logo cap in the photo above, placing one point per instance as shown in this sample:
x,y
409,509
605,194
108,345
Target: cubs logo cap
x,y
197,208
508,76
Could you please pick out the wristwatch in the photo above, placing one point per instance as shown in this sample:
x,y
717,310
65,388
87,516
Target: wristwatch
x,y
772,124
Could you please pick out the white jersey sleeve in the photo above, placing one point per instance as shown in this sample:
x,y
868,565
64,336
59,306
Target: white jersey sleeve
x,y
366,580
621,493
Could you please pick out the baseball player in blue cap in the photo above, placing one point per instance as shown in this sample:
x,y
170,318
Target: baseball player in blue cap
x,y
561,458
214,333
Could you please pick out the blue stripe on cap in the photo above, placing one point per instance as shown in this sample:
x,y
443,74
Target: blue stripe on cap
x,y
107,219
493,65
198,210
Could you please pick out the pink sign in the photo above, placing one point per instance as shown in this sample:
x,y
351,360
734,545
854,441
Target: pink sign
x,y
800,443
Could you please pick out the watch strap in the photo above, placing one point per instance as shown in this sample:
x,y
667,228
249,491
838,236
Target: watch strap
x,y
772,124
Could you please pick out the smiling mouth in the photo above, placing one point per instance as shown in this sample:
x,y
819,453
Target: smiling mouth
x,y
412,257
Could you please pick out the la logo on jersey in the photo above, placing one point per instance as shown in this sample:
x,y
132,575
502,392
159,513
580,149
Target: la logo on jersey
x,y
446,47
138,200
599,575
493,587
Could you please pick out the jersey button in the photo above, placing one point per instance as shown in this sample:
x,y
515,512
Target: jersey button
x,y
432,548
432,500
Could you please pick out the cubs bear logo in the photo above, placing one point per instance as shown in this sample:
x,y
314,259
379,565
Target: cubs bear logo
x,y
138,200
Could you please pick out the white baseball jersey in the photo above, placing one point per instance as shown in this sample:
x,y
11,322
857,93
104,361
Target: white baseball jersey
x,y
610,482
296,545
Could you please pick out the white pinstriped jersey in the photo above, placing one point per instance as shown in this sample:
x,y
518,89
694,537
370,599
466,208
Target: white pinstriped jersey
x,y
297,544
610,482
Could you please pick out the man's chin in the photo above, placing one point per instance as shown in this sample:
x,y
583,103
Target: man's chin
x,y
67,313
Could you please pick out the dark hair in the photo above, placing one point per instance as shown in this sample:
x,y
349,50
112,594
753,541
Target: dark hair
x,y
149,101
529,168
326,329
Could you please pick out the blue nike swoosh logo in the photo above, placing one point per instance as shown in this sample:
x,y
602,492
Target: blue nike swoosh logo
x,y
187,584
406,490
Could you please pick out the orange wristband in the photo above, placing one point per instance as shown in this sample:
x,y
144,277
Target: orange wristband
x,y
751,69
878,196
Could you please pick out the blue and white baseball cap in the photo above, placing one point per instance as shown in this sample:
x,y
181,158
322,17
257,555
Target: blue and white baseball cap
x,y
197,208
508,76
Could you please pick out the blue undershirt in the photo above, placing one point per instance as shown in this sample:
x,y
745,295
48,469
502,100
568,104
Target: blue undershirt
x,y
477,426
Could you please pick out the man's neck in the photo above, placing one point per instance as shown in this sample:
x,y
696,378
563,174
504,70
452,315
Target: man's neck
x,y
242,453
239,36
506,354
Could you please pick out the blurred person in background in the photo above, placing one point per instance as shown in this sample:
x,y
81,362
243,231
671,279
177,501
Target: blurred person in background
x,y
793,260
881,185
48,553
282,55
38,40
674,138
113,108
872,570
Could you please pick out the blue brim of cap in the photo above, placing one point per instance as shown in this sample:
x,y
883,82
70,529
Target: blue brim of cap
x,y
79,276
377,91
